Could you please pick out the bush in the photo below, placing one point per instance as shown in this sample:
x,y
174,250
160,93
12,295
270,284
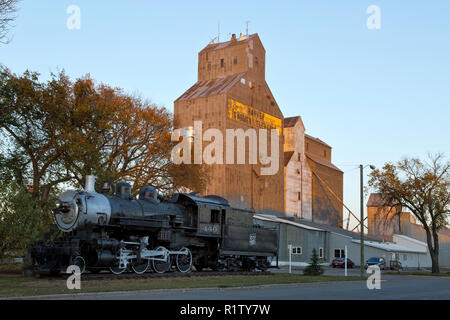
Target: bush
x,y
23,219
314,269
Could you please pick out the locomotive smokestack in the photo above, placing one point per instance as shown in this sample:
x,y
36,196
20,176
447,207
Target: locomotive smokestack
x,y
90,184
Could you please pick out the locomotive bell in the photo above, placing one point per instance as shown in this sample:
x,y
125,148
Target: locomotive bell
x,y
106,187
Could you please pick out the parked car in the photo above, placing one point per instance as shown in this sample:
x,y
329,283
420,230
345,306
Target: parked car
x,y
376,261
340,262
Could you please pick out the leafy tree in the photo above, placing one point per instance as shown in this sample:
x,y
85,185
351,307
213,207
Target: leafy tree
x,y
22,219
314,268
55,133
423,187
59,132
41,125
7,10
134,144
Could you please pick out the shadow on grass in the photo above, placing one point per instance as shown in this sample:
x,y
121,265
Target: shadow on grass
x,y
14,286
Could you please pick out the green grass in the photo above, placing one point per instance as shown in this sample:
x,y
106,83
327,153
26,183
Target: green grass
x,y
14,285
11,266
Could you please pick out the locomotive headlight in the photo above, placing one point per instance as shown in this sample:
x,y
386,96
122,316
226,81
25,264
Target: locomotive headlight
x,y
69,212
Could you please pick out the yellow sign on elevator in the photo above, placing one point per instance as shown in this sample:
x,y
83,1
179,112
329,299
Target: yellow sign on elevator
x,y
252,117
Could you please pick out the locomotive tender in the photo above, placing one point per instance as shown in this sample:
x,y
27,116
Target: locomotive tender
x,y
120,233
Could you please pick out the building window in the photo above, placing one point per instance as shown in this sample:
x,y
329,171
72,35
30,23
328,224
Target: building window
x,y
209,66
321,253
297,250
339,253
235,60
222,63
299,196
325,153
405,257
307,146
299,156
256,60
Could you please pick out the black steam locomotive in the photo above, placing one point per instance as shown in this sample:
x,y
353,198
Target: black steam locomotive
x,y
120,233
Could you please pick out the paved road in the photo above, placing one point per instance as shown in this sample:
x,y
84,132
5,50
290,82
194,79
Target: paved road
x,y
392,287
328,271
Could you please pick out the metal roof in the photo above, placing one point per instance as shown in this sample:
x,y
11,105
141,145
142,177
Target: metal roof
x,y
343,232
390,247
221,45
290,122
215,200
317,140
212,87
322,162
280,220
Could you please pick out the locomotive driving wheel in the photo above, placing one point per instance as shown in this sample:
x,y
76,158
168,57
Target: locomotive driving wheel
x,y
184,261
140,267
162,266
116,269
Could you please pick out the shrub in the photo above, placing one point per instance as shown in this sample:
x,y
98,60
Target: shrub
x,y
314,268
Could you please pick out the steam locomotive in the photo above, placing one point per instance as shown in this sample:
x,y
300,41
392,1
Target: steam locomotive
x,y
120,233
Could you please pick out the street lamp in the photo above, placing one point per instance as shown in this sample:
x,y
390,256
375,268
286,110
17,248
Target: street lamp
x,y
361,168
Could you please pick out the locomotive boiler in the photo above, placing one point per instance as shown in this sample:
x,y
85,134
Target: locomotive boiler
x,y
120,233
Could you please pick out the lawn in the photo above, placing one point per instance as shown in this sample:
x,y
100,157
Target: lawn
x,y
15,285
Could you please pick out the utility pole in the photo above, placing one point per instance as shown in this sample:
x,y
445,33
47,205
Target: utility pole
x,y
361,168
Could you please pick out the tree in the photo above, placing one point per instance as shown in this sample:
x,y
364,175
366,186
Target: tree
x,y
314,268
22,220
41,125
423,187
59,132
134,144
7,10
54,133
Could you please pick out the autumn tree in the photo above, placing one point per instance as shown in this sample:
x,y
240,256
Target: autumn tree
x,y
8,8
42,125
59,132
423,187
54,133
134,145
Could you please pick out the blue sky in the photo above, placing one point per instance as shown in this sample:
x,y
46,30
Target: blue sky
x,y
374,95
